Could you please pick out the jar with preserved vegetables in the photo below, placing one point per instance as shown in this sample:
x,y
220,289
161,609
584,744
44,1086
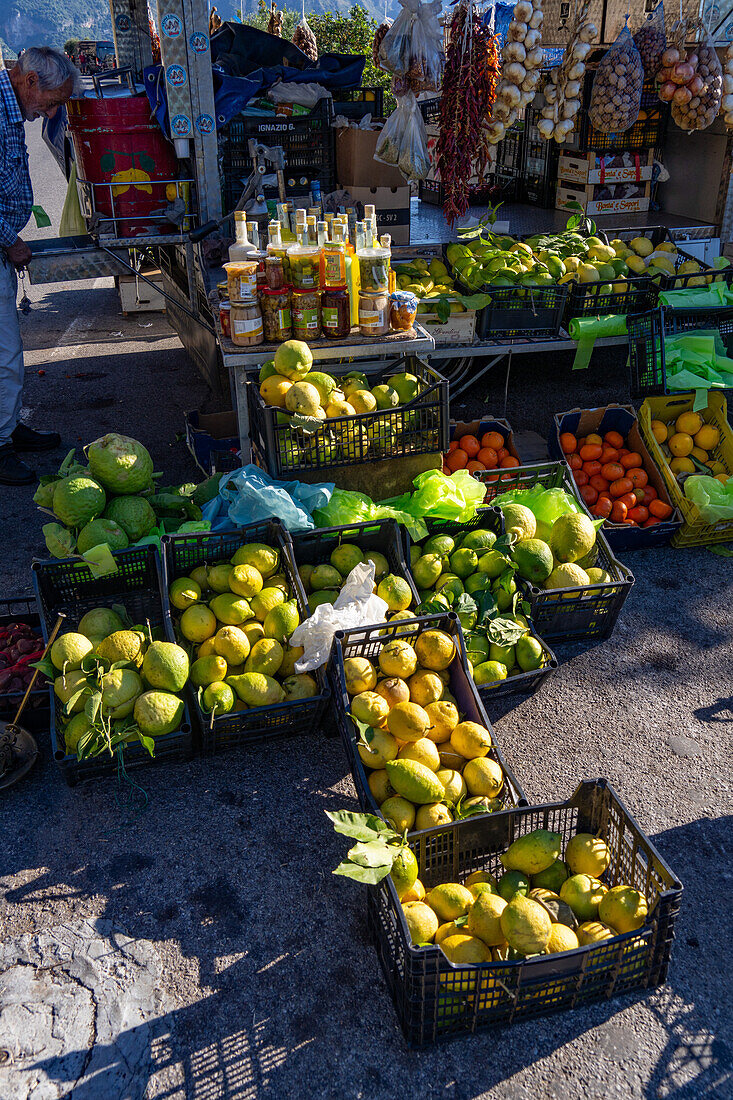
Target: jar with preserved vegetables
x,y
225,319
402,310
373,314
246,322
275,272
276,316
242,279
336,309
306,314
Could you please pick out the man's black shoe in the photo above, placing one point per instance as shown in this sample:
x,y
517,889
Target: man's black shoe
x,y
12,470
28,439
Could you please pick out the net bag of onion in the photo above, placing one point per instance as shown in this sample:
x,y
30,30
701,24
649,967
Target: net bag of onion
x,y
616,97
696,102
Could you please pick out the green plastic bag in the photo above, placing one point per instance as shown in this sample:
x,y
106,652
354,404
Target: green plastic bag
x,y
346,507
546,505
442,497
713,499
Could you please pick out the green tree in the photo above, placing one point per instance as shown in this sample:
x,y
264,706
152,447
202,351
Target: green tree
x,y
71,47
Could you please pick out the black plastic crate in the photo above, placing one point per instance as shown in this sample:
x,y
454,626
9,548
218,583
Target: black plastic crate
x,y
567,614
491,518
181,554
647,332
522,312
366,642
308,142
420,427
23,609
590,300
648,133
316,546
510,150
69,586
539,163
616,418
658,234
433,193
357,102
435,999
430,109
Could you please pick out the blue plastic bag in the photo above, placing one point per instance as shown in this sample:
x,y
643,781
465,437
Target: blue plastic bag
x,y
248,495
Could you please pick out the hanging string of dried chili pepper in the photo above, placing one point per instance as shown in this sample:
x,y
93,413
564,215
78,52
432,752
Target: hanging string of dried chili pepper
x,y
470,77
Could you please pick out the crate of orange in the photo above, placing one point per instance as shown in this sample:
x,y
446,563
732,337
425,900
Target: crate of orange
x,y
479,445
615,476
670,425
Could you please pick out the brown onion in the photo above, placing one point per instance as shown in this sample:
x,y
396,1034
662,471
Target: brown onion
x,y
697,84
682,72
667,91
670,56
682,95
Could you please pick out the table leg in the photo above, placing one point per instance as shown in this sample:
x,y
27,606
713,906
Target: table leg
x,y
240,384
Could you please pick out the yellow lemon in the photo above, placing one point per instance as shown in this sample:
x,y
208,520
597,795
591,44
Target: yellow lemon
x,y
689,423
708,437
681,444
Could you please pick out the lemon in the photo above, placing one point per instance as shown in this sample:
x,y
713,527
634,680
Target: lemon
x,y
414,781
453,782
77,728
681,444
450,900
404,872
158,712
659,430
460,948
422,923
532,852
431,815
682,466
450,928
519,521
415,893
435,650
127,645
624,908
245,580
395,592
688,423
265,657
382,747
483,777
370,707
68,651
708,437
265,602
583,894
586,854
184,592
360,675
397,658
380,786
253,630
218,698
526,925
217,577
484,917
571,538
424,751
231,643
567,576
594,931
470,740
400,814
425,688
393,690
561,938
444,718
408,722
207,670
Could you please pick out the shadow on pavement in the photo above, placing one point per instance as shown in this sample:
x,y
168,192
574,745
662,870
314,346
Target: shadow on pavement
x,y
228,872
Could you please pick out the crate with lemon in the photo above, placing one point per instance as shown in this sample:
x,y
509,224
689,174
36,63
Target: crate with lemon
x,y
692,444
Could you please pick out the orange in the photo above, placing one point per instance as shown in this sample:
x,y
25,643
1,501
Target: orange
x,y
630,460
473,466
612,471
509,463
580,477
688,423
456,460
619,512
659,509
707,438
488,456
591,451
568,442
610,454
599,483
469,444
640,514
501,452
592,468
453,445
589,494
638,477
681,445
494,440
575,462
614,439
650,493
602,508
620,486
594,439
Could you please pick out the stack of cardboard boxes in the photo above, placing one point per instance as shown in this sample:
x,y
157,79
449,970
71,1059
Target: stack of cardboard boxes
x,y
369,181
605,183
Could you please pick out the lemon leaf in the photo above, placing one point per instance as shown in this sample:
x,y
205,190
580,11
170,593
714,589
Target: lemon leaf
x,y
370,876
373,853
359,826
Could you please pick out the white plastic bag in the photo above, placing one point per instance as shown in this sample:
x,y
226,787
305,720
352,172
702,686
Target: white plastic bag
x,y
356,605
413,45
306,95
404,140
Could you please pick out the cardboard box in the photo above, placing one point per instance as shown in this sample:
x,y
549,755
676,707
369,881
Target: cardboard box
x,y
392,206
355,163
460,328
479,427
139,297
594,168
567,194
433,133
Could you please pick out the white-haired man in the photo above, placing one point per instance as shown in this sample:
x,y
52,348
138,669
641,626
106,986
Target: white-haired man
x,y
42,81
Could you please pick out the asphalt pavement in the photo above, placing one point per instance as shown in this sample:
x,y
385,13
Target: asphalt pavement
x,y
267,984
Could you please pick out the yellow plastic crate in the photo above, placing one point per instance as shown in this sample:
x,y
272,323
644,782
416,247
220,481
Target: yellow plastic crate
x,y
694,531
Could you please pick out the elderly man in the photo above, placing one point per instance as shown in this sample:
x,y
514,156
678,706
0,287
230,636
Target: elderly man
x,y
42,81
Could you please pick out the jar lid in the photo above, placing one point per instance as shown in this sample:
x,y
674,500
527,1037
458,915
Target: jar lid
x,y
404,298
226,304
222,286
275,290
340,288
306,290
374,294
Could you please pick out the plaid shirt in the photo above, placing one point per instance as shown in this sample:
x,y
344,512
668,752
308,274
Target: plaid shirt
x,y
16,192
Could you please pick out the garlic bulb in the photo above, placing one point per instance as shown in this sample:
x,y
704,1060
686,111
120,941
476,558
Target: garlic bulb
x,y
523,11
546,127
516,32
727,84
562,91
510,94
570,108
577,71
550,94
726,103
537,20
533,60
514,51
580,51
514,72
572,89
587,32
531,39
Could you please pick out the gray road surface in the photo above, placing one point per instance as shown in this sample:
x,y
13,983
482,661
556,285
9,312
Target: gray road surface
x,y
268,984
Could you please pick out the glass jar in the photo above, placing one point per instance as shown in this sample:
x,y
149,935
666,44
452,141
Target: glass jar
x,y
246,323
306,314
402,310
222,289
373,314
374,269
276,317
242,280
275,272
225,319
336,309
305,264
